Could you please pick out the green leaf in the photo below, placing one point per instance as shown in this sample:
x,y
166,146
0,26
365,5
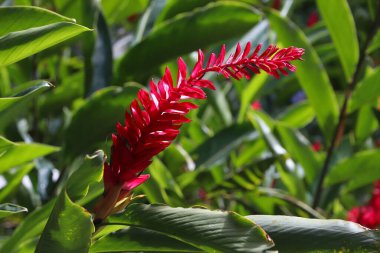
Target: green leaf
x,y
295,234
68,229
103,109
364,163
300,149
13,154
366,123
202,228
250,93
217,148
298,115
310,73
366,92
375,44
117,11
10,107
35,222
14,180
91,171
17,18
135,239
174,7
184,34
8,209
16,46
341,25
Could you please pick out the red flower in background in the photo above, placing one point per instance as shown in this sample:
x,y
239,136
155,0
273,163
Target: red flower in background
x,y
154,118
313,19
256,105
316,146
369,215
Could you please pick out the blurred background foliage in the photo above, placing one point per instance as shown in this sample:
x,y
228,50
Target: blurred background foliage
x,y
255,146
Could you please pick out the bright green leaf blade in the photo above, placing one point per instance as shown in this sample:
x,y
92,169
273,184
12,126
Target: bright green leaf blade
x,y
68,229
19,18
217,148
103,109
341,25
14,180
295,234
366,123
11,107
202,228
19,45
364,163
191,31
135,239
310,73
91,171
298,115
375,44
8,209
13,154
367,91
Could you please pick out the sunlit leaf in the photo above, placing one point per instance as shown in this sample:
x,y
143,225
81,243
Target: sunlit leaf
x,y
8,209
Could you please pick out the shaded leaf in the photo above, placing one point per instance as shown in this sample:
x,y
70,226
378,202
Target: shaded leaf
x,y
14,180
295,234
135,239
202,228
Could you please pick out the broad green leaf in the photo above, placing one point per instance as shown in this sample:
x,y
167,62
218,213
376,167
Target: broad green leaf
x,y
366,92
364,163
8,209
217,148
202,228
295,234
298,115
300,149
34,223
10,107
14,180
68,229
341,25
310,73
91,171
118,11
16,46
95,120
135,239
183,34
17,18
13,154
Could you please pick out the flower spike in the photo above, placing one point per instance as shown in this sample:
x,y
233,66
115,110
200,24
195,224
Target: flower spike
x,y
154,118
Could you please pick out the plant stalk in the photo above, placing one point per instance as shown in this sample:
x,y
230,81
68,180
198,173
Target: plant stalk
x,y
339,130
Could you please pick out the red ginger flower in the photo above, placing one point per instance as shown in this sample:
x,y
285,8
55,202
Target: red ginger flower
x,y
154,118
368,215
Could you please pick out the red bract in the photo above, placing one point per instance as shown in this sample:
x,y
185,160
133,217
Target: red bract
x,y
154,118
368,215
